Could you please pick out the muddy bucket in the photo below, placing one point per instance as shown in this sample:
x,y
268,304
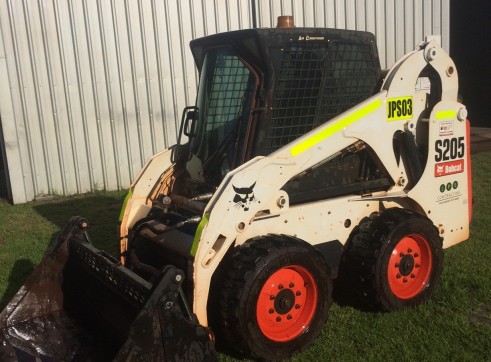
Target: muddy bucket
x,y
80,304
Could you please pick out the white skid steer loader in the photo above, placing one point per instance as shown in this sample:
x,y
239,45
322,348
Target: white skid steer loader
x,y
301,162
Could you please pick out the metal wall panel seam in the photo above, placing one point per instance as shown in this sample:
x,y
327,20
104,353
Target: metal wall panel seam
x,y
172,67
436,17
390,31
215,13
67,97
95,97
350,14
81,92
408,34
32,180
194,35
399,22
109,95
380,31
339,14
418,20
9,148
445,14
143,37
54,105
182,49
159,70
122,93
39,108
329,14
239,13
134,80
370,21
227,11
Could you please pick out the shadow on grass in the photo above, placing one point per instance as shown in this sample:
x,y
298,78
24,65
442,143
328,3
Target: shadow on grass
x,y
20,271
101,211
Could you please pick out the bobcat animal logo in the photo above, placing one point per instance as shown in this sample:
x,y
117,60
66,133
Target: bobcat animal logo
x,y
244,196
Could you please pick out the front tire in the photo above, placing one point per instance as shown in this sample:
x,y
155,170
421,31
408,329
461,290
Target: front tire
x,y
275,297
394,259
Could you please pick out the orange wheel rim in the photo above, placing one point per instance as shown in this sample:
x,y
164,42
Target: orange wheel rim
x,y
287,303
409,266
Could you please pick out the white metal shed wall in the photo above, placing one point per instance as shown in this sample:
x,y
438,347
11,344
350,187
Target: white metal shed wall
x,y
90,89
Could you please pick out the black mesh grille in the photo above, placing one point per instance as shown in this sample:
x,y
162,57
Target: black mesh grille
x,y
317,81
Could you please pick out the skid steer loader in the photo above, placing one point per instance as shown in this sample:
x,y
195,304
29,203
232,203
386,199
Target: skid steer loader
x,y
301,161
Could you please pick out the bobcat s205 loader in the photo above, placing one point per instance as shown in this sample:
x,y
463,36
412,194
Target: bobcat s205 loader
x,y
300,162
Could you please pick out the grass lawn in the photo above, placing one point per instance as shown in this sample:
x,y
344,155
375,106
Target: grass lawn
x,y
454,325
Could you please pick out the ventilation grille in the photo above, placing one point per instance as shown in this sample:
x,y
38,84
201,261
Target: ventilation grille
x,y
316,82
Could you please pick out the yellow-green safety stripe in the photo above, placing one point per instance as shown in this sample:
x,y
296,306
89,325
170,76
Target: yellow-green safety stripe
x,y
334,128
197,236
451,113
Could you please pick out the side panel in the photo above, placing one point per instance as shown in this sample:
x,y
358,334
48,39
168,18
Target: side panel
x,y
317,222
443,189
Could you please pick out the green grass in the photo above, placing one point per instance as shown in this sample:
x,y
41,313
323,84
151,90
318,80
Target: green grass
x,y
454,325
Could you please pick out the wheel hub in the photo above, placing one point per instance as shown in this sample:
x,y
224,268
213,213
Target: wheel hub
x,y
284,301
406,265
410,266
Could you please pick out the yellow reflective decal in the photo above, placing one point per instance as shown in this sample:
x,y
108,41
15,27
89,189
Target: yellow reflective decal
x,y
334,128
399,108
451,113
125,203
197,235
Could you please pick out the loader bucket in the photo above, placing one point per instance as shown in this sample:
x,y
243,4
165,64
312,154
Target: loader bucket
x,y
80,304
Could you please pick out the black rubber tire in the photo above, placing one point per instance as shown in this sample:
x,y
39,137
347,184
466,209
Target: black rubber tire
x,y
252,265
368,256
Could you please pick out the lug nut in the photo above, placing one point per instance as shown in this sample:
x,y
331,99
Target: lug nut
x,y
404,280
398,276
271,311
291,285
278,319
413,276
416,266
280,286
401,255
409,250
271,297
416,255
297,306
288,317
397,265
298,293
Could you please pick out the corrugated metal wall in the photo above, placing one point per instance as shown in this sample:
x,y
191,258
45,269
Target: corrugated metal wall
x,y
90,89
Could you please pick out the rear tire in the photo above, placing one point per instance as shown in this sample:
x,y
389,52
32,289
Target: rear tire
x,y
275,297
394,260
